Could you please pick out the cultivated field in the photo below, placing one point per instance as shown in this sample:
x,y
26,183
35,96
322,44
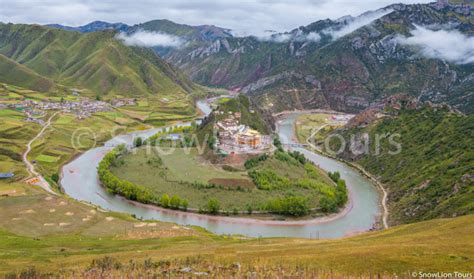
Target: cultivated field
x,y
307,124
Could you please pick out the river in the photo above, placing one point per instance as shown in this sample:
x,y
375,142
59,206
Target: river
x,y
80,181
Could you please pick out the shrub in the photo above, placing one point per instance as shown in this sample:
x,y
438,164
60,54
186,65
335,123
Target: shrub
x,y
293,206
268,180
328,204
249,209
138,142
55,177
253,162
165,200
335,176
175,202
184,204
213,206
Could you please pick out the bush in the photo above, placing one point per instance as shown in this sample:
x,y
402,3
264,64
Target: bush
x,y
269,180
249,209
277,144
293,206
175,202
184,204
165,200
286,157
230,168
138,142
335,176
298,156
213,206
328,204
55,177
253,162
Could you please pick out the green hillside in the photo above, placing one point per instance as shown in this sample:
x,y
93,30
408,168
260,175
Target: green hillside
x,y
95,61
432,176
13,73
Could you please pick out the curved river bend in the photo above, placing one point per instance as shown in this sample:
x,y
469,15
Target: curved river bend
x,y
80,181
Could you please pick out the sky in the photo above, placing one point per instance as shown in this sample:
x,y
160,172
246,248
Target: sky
x,y
245,17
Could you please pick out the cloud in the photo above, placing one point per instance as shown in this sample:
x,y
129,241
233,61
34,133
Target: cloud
x,y
449,45
250,17
299,36
150,39
313,36
275,37
356,23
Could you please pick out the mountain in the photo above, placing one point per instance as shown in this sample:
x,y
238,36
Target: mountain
x,y
93,27
432,175
347,64
190,33
13,73
95,61
193,36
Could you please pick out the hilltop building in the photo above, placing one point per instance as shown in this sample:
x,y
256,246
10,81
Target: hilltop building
x,y
234,137
249,137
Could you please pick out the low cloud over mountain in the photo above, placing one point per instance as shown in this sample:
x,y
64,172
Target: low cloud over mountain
x,y
449,45
150,39
356,23
285,37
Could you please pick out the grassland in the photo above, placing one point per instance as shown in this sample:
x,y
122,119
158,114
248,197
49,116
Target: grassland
x,y
436,245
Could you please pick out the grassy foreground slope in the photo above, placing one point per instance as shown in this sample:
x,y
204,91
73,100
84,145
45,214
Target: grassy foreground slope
x,y
436,245
433,175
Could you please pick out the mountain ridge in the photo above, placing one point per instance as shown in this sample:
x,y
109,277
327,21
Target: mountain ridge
x,y
96,61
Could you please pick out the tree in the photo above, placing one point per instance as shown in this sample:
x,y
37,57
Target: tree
x,y
165,200
213,206
249,209
138,142
184,204
175,201
328,204
335,176
55,177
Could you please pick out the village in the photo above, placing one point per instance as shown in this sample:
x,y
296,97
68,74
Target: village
x,y
83,108
236,138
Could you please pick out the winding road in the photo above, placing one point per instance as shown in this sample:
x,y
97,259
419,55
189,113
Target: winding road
x,y
30,167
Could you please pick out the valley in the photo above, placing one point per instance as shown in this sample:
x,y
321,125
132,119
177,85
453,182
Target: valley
x,y
342,148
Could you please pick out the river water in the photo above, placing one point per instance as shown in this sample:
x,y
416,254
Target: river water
x,y
80,181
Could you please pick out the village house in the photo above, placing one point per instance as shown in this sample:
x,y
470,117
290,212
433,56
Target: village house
x,y
233,137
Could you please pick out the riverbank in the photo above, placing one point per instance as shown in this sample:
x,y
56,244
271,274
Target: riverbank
x,y
361,170
80,181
